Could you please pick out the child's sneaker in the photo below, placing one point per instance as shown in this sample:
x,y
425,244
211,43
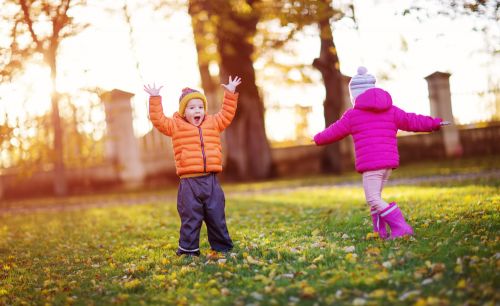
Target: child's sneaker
x,y
393,216
181,252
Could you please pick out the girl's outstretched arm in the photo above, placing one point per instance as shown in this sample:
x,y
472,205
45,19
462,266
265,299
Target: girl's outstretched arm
x,y
164,124
416,123
336,131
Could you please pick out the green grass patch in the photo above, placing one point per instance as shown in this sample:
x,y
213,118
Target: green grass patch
x,y
446,167
305,247
407,171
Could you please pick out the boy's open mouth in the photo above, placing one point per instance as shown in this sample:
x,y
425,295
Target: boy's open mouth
x,y
197,118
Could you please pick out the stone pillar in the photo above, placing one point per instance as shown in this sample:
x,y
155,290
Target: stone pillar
x,y
440,102
122,147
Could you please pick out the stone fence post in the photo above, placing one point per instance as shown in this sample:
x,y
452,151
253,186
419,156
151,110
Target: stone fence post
x,y
122,147
440,102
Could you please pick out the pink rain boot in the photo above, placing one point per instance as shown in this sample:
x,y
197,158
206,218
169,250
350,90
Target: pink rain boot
x,y
378,224
393,216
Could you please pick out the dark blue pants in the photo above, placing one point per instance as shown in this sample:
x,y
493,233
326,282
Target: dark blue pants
x,y
202,199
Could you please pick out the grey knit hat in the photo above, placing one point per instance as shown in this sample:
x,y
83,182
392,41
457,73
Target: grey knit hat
x,y
361,82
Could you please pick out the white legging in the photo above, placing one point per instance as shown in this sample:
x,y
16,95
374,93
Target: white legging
x,y
373,183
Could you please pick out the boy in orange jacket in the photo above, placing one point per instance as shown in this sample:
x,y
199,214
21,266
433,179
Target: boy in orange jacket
x,y
198,158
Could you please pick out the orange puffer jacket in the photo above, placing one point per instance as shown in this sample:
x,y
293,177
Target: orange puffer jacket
x,y
196,149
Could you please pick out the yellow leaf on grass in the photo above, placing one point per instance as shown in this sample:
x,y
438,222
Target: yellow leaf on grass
x,y
253,261
351,257
420,302
160,277
318,259
373,251
184,270
382,275
334,279
379,293
182,301
263,279
461,284
308,292
268,289
132,284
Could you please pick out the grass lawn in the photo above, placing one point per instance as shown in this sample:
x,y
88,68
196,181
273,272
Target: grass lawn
x,y
305,247
418,169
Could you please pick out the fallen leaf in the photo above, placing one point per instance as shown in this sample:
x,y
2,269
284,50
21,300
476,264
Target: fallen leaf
x,y
308,292
359,301
349,249
461,284
257,296
409,295
318,259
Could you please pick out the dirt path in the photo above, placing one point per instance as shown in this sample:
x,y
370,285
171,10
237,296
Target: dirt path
x,y
147,199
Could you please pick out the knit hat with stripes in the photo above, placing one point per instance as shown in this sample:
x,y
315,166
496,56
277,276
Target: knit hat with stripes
x,y
361,82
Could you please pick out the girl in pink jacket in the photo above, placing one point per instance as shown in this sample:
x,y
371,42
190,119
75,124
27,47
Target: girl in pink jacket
x,y
373,123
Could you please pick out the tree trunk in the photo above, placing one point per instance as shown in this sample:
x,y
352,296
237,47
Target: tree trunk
x,y
329,66
60,185
248,151
200,23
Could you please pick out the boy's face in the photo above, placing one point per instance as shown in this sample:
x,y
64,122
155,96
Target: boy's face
x,y
195,112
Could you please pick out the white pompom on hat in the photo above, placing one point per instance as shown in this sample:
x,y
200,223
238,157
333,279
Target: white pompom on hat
x,y
361,82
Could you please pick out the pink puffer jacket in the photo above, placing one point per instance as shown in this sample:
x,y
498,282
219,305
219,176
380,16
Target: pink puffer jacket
x,y
373,124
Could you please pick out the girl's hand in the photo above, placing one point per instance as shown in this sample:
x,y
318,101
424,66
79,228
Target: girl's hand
x,y
231,86
152,91
442,123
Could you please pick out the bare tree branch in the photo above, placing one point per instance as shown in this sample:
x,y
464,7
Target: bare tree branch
x,y
29,22
128,20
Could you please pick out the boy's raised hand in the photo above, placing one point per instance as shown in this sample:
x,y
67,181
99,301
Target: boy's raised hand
x,y
231,86
152,91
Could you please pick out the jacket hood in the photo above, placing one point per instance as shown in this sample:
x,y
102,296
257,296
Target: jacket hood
x,y
374,100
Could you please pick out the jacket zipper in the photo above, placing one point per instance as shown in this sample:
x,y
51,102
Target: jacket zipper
x,y
203,151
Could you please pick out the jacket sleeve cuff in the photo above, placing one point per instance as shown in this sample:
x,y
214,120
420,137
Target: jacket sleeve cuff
x,y
316,139
437,123
233,95
154,98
